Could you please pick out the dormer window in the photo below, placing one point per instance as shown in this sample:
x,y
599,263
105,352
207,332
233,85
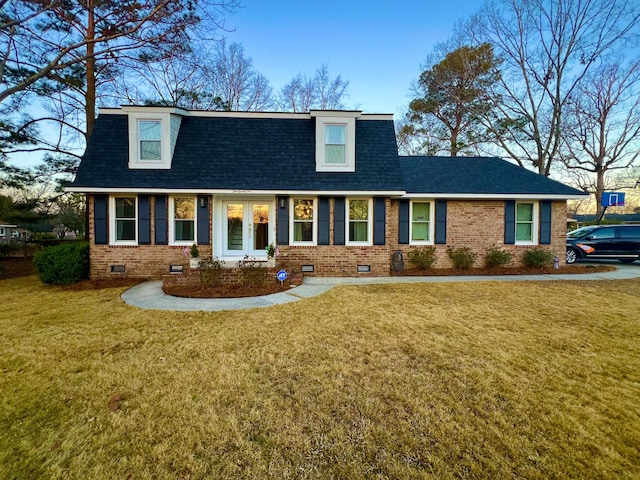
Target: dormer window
x,y
150,138
153,132
335,141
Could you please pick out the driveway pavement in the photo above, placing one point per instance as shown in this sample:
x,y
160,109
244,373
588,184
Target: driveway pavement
x,y
149,295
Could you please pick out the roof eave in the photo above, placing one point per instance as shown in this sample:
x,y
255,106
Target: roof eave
x,y
498,196
227,191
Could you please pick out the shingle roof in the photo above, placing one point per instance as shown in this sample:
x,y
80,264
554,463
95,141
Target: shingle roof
x,y
278,154
242,154
476,175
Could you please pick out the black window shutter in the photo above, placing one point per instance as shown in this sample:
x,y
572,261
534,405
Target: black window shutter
x,y
101,219
282,221
379,214
545,222
339,221
323,221
403,222
510,222
144,220
441,222
204,226
160,220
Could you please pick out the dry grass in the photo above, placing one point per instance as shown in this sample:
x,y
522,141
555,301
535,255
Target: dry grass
x,y
477,380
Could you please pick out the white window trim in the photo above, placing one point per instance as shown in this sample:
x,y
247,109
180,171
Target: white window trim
x,y
172,227
369,242
135,162
349,122
535,224
2,232
113,219
315,221
432,222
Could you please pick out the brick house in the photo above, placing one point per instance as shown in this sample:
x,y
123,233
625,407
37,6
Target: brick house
x,y
327,187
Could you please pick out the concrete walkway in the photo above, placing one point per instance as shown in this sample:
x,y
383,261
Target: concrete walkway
x,y
149,295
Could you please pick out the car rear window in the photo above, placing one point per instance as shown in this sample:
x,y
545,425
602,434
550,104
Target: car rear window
x,y
629,232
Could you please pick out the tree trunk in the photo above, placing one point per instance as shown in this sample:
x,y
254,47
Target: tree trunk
x,y
90,94
599,187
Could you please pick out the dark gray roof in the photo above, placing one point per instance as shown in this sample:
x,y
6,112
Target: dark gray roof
x,y
476,175
243,154
278,154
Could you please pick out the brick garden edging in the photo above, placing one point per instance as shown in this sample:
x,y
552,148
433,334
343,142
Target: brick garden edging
x,y
227,276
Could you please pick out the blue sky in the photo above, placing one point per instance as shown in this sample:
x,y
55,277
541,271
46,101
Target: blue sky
x,y
377,47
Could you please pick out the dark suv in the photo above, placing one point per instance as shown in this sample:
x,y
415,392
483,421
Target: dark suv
x,y
604,241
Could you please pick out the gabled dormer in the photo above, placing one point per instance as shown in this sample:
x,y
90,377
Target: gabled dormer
x,y
335,140
153,132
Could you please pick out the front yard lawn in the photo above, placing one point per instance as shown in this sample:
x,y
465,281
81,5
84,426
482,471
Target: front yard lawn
x,y
477,380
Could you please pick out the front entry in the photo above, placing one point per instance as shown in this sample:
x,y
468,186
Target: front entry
x,y
246,228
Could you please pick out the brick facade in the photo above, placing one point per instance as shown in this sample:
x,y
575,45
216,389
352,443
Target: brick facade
x,y
478,224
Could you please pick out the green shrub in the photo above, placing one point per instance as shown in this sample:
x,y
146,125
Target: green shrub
x,y
63,264
462,257
538,257
422,258
497,257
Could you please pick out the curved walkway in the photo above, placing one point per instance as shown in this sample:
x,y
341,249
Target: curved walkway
x,y
149,295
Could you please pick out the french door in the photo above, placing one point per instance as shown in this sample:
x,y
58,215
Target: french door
x,y
246,229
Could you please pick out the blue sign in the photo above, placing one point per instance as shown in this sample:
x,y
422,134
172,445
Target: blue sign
x,y
612,199
282,275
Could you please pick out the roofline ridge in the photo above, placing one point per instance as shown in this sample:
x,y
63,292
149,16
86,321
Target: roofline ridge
x,y
125,109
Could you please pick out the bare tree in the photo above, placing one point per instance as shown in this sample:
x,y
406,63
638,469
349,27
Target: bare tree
x,y
63,51
235,82
420,138
320,92
547,48
601,134
177,81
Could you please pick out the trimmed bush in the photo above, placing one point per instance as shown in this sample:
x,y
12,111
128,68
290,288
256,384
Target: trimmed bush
x,y
538,257
497,257
422,258
63,264
462,257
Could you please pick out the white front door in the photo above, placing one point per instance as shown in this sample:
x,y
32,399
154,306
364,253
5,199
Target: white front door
x,y
246,229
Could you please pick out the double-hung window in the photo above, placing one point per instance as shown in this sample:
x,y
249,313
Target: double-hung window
x,y
124,214
526,223
150,140
421,223
360,225
335,138
304,220
183,220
